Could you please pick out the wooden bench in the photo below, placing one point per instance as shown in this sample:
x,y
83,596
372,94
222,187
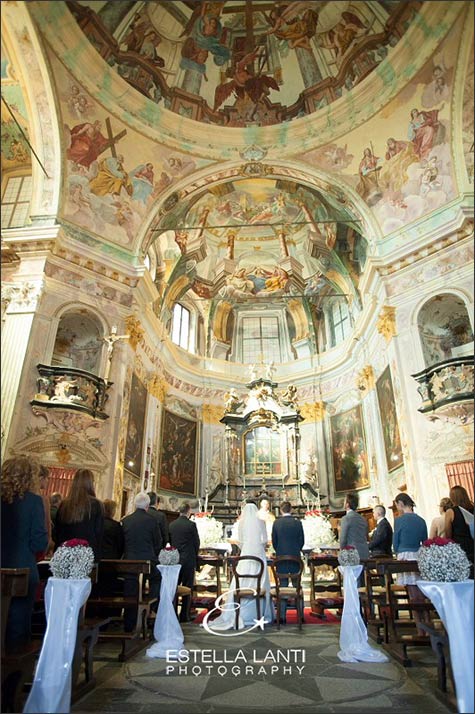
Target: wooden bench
x,y
135,640
325,586
17,665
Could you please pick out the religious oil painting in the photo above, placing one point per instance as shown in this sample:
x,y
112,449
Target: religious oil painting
x,y
387,409
350,459
135,427
178,454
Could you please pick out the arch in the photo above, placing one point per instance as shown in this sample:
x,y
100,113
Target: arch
x,y
29,57
444,327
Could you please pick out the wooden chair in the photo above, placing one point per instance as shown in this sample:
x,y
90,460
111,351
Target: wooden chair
x,y
18,665
374,605
288,585
325,593
133,641
256,593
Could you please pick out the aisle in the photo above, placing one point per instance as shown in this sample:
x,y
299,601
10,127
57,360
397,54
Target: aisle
x,y
324,684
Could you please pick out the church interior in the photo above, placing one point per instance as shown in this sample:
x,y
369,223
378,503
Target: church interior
x,y
237,262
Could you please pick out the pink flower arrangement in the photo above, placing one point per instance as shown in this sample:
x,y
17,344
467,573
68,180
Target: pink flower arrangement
x,y
75,542
437,541
203,514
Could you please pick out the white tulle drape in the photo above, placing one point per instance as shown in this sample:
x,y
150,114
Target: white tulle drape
x,y
252,538
353,633
167,630
454,603
51,690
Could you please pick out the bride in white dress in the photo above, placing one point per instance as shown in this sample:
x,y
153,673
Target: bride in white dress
x,y
252,539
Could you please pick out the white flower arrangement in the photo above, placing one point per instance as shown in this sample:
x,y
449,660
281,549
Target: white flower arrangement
x,y
318,530
74,559
169,556
442,560
348,555
210,530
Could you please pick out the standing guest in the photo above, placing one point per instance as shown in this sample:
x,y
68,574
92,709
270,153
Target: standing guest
x,y
184,536
54,503
288,539
81,514
410,530
159,515
23,535
458,519
354,530
437,527
382,538
142,541
113,535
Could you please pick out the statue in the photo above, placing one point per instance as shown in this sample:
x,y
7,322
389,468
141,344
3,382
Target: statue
x,y
253,372
231,401
289,397
111,340
270,370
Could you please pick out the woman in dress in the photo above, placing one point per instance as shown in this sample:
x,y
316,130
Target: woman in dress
x,y
81,515
23,535
410,530
252,539
437,527
458,519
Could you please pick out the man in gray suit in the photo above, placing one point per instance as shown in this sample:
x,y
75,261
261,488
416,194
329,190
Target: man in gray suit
x,y
354,530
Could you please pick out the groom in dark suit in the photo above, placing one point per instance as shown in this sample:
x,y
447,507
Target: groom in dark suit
x,y
288,539
382,538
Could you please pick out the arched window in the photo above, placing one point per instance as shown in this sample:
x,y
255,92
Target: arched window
x,y
16,198
444,329
181,326
338,317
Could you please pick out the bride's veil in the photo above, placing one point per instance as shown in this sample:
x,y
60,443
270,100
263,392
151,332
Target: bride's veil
x,y
249,530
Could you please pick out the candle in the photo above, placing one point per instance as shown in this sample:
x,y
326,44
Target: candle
x,y
206,500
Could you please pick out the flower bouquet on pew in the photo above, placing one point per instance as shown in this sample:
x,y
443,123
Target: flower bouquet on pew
x,y
348,555
74,559
442,560
169,556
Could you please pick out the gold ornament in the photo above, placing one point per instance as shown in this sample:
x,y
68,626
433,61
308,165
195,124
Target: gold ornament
x,y
387,322
313,412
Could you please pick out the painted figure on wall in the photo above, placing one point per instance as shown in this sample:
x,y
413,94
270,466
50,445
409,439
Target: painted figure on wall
x,y
399,156
87,142
350,460
423,131
205,34
111,178
178,454
387,409
295,23
142,182
245,82
368,185
135,427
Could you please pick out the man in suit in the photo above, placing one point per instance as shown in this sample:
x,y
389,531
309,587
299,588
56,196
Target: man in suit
x,y
288,539
159,516
354,530
142,541
184,536
382,538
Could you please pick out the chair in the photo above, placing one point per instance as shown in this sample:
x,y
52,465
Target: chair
x,y
325,584
282,589
255,593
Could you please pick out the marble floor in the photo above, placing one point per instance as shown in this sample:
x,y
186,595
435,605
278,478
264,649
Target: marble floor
x,y
242,674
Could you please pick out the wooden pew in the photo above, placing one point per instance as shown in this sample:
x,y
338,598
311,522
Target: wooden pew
x,y
325,594
132,642
18,665
373,599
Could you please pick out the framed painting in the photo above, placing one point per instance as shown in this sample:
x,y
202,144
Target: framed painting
x,y
350,458
135,427
178,454
387,410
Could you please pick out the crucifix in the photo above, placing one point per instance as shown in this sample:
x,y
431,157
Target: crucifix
x,y
111,340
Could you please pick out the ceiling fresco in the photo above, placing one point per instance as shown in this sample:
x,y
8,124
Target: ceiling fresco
x,y
236,63
15,151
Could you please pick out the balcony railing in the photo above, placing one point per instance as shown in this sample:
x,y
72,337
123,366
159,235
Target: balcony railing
x,y
447,390
69,388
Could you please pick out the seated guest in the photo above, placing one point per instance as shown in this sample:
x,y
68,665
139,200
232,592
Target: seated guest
x,y
437,527
142,541
23,535
113,535
382,538
81,514
159,515
54,503
184,536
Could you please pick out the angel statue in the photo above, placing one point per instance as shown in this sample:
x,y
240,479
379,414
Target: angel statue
x,y
289,397
231,401
270,371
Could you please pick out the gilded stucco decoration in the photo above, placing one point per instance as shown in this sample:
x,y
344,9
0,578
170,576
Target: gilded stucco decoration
x,y
313,412
365,380
158,388
212,413
134,330
386,324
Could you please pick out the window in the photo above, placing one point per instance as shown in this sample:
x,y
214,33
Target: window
x,y
16,201
181,326
262,451
260,340
340,321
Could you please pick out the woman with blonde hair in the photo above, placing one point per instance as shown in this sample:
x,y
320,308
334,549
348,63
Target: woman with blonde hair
x,y
81,514
23,535
437,527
